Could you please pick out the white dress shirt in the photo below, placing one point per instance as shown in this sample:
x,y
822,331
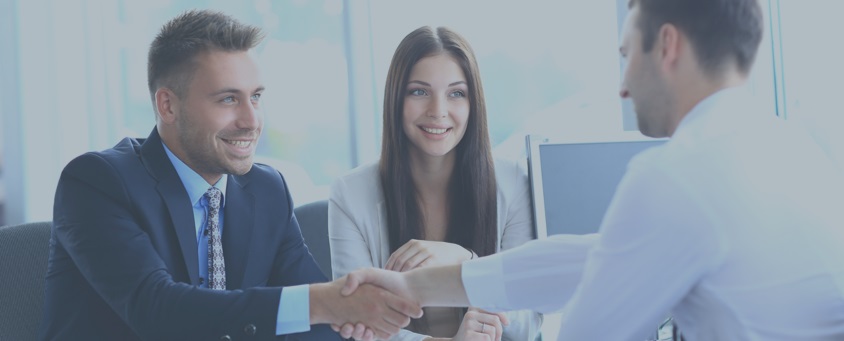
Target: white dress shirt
x,y
357,230
735,227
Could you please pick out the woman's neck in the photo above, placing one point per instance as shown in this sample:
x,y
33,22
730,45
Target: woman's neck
x,y
432,177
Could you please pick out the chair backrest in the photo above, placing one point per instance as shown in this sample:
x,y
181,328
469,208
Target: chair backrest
x,y
313,220
24,250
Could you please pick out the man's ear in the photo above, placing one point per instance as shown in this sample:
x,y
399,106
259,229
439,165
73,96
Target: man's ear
x,y
166,105
669,44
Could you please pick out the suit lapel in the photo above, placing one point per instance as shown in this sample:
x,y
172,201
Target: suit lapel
x,y
238,222
176,199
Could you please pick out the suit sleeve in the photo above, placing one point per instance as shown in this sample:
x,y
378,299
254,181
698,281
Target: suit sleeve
x,y
294,265
95,222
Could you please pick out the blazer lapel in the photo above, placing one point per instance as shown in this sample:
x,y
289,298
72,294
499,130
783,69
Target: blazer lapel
x,y
176,199
238,221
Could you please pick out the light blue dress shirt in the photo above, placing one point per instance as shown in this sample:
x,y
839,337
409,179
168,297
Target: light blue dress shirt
x,y
295,317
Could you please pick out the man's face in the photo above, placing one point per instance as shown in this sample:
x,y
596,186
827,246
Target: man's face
x,y
218,121
643,80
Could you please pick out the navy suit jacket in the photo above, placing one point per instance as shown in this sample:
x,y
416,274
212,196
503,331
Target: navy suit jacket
x,y
123,253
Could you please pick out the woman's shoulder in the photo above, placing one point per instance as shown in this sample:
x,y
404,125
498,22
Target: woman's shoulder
x,y
510,174
362,182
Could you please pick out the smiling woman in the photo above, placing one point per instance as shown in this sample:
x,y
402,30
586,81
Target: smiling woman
x,y
436,196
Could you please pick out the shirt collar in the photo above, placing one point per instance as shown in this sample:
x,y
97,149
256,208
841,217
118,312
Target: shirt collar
x,y
724,110
193,182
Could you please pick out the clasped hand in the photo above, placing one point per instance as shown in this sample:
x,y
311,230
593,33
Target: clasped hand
x,y
421,253
382,313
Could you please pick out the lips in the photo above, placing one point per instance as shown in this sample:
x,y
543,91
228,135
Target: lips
x,y
239,143
435,131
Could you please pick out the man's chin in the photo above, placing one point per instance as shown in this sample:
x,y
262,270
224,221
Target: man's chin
x,y
241,168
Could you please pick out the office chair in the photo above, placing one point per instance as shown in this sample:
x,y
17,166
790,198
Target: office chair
x,y
23,264
313,220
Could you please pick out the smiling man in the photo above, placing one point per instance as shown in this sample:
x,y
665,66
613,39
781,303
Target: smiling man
x,y
180,236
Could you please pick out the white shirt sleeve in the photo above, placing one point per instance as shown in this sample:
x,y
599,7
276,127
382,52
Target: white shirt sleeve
x,y
540,275
293,310
656,242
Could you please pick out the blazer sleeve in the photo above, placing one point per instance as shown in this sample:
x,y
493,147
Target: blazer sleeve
x,y
95,222
350,250
517,230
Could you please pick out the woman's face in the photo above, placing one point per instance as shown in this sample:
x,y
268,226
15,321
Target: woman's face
x,y
436,106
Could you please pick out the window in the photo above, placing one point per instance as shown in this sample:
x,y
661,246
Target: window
x,y
306,116
811,70
547,67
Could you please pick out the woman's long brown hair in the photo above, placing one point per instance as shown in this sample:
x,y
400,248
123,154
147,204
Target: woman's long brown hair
x,y
472,220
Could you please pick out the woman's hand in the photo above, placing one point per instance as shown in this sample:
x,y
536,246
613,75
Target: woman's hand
x,y
421,253
481,325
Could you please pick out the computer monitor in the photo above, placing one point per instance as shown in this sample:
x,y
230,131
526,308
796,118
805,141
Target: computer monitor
x,y
572,182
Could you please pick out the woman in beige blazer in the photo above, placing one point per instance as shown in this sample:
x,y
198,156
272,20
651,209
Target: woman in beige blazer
x,y
436,196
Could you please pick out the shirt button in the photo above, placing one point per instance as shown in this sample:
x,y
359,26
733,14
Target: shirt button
x,y
250,329
226,338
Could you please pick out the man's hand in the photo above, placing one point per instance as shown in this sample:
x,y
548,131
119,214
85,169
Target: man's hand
x,y
382,312
419,253
390,280
393,281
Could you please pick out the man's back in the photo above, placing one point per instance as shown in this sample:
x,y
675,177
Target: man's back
x,y
771,214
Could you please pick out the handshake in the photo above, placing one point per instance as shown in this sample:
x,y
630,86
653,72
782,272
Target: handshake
x,y
374,304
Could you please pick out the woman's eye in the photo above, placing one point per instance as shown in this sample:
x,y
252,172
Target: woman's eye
x,y
417,92
458,93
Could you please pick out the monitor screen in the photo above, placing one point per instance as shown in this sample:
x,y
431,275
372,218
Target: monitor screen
x,y
577,181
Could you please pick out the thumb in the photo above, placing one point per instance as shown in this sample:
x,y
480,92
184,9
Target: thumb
x,y
353,281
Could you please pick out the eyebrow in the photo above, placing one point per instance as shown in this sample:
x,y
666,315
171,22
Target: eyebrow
x,y
235,91
429,85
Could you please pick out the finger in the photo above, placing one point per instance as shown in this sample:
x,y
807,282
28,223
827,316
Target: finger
x,y
393,257
505,320
383,329
369,335
414,261
497,329
359,331
395,318
402,258
353,281
489,324
344,330
335,327
403,306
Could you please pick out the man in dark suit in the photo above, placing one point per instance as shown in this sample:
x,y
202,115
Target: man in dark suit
x,y
180,236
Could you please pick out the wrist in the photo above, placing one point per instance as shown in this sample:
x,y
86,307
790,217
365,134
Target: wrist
x,y
319,311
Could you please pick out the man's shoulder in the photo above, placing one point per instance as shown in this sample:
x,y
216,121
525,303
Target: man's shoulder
x,y
123,153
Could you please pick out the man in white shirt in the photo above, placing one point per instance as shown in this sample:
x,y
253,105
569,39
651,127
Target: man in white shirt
x,y
735,226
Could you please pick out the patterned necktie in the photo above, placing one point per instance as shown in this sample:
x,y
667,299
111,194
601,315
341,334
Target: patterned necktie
x,y
216,261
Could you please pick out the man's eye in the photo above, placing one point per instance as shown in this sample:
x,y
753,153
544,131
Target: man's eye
x,y
256,97
229,99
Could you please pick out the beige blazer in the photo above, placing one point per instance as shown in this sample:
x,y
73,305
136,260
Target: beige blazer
x,y
357,230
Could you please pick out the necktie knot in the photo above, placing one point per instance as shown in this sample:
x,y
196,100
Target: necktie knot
x,y
213,194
